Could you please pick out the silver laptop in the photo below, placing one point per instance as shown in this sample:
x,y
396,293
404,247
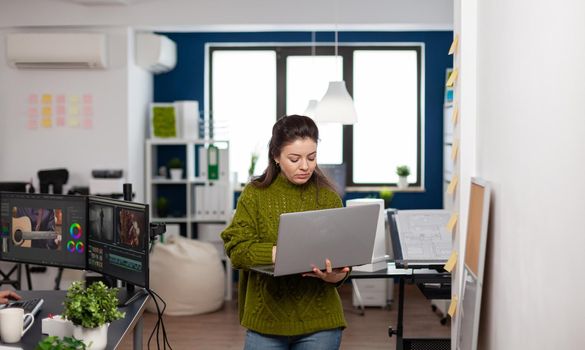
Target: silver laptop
x,y
343,235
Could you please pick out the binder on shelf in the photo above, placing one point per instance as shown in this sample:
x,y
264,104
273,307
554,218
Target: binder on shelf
x,y
213,202
202,158
212,162
206,199
224,169
199,194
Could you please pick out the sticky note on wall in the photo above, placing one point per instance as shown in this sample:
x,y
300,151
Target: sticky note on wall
x,y
455,115
452,222
454,45
450,264
453,306
452,185
454,149
452,77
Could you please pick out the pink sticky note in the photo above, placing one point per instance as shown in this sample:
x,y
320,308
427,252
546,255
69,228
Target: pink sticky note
x,y
60,110
87,111
87,99
32,124
33,112
87,123
60,121
61,99
33,99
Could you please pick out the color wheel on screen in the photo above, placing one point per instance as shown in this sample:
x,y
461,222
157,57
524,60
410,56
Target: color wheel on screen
x,y
75,230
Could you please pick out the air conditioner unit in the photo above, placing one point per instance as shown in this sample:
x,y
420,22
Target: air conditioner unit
x,y
155,53
56,50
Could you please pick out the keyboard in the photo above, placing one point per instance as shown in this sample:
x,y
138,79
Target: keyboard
x,y
32,306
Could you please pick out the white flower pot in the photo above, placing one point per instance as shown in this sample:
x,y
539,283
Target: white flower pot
x,y
402,182
176,174
94,338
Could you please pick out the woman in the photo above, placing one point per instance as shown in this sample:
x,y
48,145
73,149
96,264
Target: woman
x,y
289,312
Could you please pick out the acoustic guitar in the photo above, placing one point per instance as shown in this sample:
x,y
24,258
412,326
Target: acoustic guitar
x,y
22,233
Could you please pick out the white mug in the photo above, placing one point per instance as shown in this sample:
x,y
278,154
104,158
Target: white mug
x,y
12,322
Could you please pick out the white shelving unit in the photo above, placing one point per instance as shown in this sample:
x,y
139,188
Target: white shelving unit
x,y
197,203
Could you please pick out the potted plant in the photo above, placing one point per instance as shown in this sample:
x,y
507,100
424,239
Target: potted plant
x,y
386,194
162,207
402,171
175,168
253,161
91,310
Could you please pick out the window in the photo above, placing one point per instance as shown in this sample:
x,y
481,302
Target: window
x,y
243,94
385,82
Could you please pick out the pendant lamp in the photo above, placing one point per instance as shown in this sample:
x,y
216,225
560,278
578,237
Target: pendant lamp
x,y
311,107
336,106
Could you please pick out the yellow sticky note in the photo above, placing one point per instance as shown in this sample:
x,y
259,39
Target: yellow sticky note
x,y
452,222
453,306
47,99
454,45
455,115
452,77
450,264
454,149
73,122
46,111
73,110
452,185
47,122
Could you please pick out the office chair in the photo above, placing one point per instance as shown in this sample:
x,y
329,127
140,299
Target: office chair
x,y
55,178
17,268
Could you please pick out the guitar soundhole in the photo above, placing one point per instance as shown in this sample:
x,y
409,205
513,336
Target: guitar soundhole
x,y
18,237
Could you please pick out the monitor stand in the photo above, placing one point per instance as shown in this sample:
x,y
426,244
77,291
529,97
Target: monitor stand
x,y
129,295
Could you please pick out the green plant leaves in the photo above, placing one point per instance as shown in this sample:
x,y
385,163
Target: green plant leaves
x,y
56,343
93,306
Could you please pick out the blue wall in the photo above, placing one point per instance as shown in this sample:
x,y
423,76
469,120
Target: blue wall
x,y
186,82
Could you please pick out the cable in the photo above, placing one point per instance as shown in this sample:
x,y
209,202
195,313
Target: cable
x,y
159,323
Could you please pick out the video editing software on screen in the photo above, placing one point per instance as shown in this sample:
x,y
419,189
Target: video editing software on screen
x,y
118,234
44,229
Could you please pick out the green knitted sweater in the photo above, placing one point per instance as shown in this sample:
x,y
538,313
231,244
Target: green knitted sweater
x,y
287,305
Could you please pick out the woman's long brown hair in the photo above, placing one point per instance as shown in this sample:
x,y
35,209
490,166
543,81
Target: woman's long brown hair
x,y
285,131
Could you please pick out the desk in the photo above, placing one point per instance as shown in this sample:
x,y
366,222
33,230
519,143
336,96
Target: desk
x,y
54,304
433,285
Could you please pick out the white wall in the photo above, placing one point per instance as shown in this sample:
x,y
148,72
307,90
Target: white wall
x,y
465,59
236,15
531,146
120,93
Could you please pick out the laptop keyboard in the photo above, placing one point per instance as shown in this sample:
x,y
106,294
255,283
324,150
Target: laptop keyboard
x,y
32,306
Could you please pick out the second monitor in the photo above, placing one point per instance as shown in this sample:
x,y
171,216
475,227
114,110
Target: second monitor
x,y
43,229
118,239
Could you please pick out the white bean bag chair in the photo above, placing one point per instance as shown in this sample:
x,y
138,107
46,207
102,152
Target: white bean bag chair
x,y
188,275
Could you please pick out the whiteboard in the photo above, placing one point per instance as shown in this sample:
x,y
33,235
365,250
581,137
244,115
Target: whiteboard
x,y
475,249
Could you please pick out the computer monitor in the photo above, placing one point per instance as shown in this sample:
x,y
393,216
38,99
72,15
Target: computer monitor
x,y
43,229
118,239
337,174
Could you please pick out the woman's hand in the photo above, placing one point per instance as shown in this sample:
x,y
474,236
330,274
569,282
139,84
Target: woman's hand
x,y
330,275
7,295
